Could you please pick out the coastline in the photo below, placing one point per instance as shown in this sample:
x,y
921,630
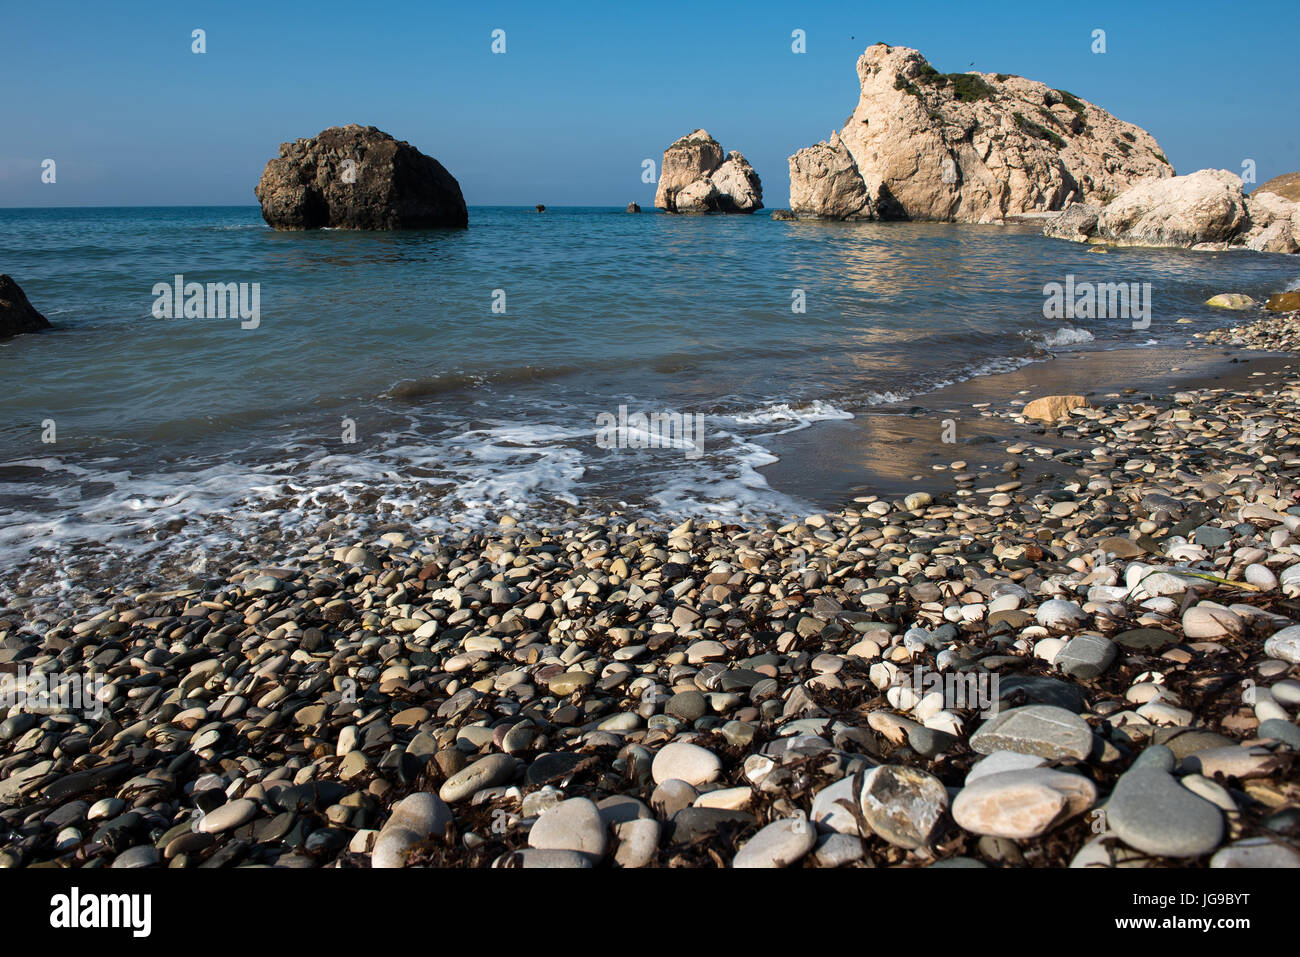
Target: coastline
x,y
701,695
899,446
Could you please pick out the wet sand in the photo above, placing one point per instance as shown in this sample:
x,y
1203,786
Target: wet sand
x,y
894,449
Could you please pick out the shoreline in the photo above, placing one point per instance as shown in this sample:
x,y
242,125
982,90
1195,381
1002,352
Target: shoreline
x,y
900,445
628,693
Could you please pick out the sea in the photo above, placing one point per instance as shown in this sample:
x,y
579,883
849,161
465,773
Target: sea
x,y
535,365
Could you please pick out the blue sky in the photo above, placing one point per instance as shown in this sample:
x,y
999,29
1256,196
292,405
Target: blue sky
x,y
585,90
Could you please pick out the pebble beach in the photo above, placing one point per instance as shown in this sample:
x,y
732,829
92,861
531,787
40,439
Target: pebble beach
x,y
613,691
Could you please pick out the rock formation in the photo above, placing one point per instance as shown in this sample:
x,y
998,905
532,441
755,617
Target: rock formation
x,y
695,178
1076,223
825,183
1203,210
17,315
1204,207
1274,223
1287,186
633,208
965,147
358,177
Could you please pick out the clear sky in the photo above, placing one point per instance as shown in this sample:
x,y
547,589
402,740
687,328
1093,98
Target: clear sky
x,y
586,89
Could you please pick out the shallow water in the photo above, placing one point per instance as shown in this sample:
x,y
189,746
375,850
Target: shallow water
x,y
172,434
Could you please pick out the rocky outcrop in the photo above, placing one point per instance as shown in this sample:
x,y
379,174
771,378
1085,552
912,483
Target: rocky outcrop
x,y
358,177
17,315
1287,186
695,178
701,196
1274,223
1204,207
1077,223
633,208
691,158
1203,210
739,189
825,182
965,147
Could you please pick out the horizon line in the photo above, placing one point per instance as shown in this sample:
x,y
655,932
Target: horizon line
x,y
257,206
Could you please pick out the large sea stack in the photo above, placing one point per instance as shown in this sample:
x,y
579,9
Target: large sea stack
x,y
358,177
696,178
965,147
17,315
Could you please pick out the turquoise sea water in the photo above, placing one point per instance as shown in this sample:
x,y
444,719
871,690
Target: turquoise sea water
x,y
170,433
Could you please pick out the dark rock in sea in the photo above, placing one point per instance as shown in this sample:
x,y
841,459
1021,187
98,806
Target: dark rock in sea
x,y
16,313
358,177
782,214
541,208
633,208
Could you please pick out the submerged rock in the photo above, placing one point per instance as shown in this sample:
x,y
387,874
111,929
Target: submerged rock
x,y
17,315
358,177
1230,300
